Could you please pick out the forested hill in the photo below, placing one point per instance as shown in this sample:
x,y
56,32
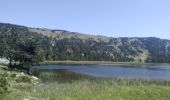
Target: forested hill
x,y
20,42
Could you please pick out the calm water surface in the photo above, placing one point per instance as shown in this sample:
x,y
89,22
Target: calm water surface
x,y
153,72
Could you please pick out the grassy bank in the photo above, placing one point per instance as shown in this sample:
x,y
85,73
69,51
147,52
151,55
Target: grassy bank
x,y
96,89
19,84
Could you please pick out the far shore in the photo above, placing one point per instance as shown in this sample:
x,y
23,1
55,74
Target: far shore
x,y
98,63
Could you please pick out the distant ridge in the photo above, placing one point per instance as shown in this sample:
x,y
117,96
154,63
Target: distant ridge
x,y
64,45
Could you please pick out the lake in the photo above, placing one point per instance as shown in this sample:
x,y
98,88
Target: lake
x,y
73,72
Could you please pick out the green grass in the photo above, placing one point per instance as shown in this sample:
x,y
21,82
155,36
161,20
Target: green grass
x,y
102,90
110,89
96,89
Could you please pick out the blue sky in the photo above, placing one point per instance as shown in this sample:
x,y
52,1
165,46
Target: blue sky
x,y
116,18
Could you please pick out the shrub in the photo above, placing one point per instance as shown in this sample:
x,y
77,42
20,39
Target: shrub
x,y
13,75
3,84
4,75
24,79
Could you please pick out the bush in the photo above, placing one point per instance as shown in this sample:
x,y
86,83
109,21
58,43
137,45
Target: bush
x,y
3,84
4,75
13,75
24,79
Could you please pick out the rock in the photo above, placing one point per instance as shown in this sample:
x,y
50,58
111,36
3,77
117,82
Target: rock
x,y
4,61
34,78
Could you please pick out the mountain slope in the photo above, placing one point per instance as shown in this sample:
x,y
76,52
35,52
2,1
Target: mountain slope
x,y
65,45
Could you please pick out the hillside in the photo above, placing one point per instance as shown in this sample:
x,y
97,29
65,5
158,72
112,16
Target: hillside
x,y
65,45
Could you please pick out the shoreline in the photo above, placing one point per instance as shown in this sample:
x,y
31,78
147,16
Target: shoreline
x,y
99,63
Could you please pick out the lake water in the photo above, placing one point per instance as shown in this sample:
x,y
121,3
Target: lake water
x,y
151,72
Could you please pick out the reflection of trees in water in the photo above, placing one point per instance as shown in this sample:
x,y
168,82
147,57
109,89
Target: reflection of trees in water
x,y
59,75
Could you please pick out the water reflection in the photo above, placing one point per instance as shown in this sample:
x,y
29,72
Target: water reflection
x,y
59,75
